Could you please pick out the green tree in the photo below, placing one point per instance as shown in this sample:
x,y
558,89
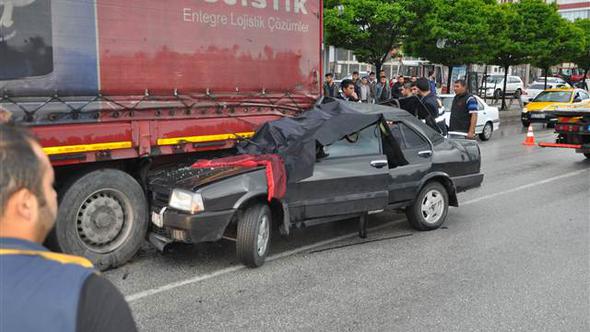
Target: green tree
x,y
582,58
371,29
524,30
452,32
564,44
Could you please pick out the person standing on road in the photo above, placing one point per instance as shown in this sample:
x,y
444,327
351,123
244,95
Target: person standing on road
x,y
382,90
348,92
463,110
357,82
365,91
329,86
428,98
396,90
407,90
432,81
41,290
372,84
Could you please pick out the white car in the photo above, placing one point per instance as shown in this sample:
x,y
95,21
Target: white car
x,y
495,84
538,86
488,117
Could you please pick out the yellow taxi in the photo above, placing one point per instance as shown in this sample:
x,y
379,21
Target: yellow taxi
x,y
539,109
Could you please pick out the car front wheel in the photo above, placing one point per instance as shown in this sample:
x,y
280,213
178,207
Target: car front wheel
x,y
429,211
253,240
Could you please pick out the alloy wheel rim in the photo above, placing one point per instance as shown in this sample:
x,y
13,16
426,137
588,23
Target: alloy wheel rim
x,y
263,235
432,206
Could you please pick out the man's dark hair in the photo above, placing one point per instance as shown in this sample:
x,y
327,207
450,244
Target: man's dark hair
x,y
20,167
329,75
372,73
355,72
408,85
461,82
346,83
423,84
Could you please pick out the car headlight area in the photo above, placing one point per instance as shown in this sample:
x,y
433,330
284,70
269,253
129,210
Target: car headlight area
x,y
185,200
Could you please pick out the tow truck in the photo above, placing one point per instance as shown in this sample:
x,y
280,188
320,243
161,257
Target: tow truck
x,y
572,129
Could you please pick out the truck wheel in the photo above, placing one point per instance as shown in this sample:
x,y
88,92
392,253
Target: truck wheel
x,y
429,211
253,240
487,131
103,217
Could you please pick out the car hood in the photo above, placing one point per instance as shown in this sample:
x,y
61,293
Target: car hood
x,y
192,179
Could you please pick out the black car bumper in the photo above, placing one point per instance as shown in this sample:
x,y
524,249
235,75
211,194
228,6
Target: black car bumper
x,y
538,116
200,227
466,182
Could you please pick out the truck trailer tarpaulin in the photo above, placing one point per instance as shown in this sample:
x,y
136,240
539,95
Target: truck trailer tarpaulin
x,y
82,48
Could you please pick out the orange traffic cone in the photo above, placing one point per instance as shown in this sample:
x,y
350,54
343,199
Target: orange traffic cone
x,y
530,137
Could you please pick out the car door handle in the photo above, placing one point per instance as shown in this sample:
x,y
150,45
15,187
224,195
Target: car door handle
x,y
379,163
425,154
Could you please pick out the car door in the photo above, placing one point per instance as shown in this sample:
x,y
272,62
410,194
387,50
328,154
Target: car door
x,y
351,177
417,150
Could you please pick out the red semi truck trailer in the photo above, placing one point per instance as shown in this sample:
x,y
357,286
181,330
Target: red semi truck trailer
x,y
115,89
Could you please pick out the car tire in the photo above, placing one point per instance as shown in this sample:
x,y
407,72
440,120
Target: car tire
x,y
550,124
487,131
253,238
103,217
497,94
587,155
526,124
429,211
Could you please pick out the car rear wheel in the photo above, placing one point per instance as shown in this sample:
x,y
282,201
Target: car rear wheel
x,y
526,124
253,240
429,211
487,131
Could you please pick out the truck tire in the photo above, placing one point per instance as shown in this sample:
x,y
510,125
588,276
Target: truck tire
x,y
429,211
103,217
253,240
487,131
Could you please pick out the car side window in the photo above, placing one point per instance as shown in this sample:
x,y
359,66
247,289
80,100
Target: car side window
x,y
480,106
406,137
364,142
584,95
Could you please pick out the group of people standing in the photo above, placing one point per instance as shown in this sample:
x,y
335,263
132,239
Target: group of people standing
x,y
370,90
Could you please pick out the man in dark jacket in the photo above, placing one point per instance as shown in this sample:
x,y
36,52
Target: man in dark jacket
x,y
329,86
396,89
463,110
41,290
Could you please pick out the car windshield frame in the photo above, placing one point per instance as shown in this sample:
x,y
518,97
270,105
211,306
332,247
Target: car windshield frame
x,y
554,97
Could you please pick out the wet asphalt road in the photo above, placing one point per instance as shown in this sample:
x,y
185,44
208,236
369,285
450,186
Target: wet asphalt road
x,y
514,256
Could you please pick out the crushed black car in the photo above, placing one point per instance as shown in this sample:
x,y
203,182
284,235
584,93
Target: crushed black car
x,y
337,161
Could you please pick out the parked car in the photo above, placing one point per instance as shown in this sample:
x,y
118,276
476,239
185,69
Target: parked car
x,y
488,117
540,109
495,84
395,162
538,86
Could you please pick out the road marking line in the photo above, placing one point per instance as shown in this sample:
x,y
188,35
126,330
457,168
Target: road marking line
x,y
526,186
173,285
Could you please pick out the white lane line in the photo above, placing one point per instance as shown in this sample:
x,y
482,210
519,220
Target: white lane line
x,y
526,186
173,285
